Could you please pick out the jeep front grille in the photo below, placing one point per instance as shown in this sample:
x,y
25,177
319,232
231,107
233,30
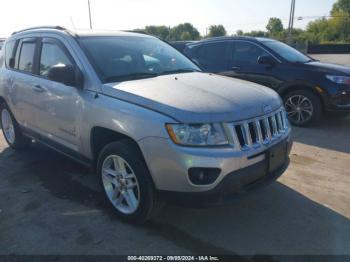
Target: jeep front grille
x,y
259,131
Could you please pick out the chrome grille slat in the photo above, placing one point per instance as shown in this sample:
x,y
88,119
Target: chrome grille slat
x,y
274,126
284,119
248,137
260,131
279,122
267,128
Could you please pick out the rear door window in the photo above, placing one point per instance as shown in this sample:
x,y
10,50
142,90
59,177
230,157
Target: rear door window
x,y
26,56
1,58
9,47
212,52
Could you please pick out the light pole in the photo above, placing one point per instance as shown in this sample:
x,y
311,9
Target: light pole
x,y
291,21
90,14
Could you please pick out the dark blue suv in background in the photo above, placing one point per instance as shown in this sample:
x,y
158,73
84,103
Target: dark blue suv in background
x,y
307,86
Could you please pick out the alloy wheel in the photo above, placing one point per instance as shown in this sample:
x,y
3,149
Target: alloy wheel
x,y
120,184
7,126
299,109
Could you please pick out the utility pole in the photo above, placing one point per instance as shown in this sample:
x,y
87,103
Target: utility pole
x,y
90,14
291,22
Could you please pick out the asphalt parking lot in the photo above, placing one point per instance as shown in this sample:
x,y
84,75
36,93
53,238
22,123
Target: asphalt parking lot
x,y
50,205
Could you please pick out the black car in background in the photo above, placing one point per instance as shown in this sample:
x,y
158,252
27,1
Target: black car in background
x,y
181,45
307,86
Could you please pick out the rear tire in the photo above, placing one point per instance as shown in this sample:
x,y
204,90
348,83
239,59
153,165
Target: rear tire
x,y
303,107
127,183
11,130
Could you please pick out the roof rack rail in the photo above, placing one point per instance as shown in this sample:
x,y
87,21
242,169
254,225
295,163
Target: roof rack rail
x,y
42,27
136,31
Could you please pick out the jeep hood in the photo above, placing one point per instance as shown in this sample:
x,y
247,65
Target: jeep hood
x,y
197,97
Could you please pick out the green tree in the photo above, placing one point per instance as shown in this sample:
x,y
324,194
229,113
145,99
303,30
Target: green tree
x,y
184,31
216,30
141,31
341,6
333,30
162,32
256,34
239,32
185,36
275,26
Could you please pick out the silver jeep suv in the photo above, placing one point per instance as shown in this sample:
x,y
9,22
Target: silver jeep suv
x,y
147,119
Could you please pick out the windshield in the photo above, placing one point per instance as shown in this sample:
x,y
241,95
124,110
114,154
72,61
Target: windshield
x,y
122,58
287,52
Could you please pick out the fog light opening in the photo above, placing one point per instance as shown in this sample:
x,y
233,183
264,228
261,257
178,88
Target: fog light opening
x,y
203,176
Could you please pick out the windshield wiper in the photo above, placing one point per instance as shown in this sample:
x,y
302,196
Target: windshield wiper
x,y
133,76
179,71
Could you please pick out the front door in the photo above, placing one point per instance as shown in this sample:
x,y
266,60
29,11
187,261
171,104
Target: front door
x,y
59,105
244,64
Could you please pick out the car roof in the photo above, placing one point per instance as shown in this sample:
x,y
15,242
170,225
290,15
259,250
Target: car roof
x,y
227,38
183,42
88,33
79,33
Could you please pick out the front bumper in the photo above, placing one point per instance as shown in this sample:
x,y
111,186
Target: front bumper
x,y
337,99
233,186
340,102
169,164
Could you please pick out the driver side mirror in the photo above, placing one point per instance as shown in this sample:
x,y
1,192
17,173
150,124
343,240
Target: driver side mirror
x,y
266,60
66,74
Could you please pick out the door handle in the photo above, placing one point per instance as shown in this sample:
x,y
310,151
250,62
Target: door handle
x,y
38,88
235,68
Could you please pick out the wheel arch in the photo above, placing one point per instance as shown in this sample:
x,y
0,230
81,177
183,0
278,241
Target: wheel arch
x,y
304,86
101,136
2,100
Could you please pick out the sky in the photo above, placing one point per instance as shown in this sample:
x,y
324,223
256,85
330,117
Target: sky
x,y
246,15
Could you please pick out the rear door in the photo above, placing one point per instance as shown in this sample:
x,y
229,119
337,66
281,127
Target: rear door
x,y
23,89
212,57
244,64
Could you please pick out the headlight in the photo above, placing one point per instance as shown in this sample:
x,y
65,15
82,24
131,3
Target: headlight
x,y
197,134
342,80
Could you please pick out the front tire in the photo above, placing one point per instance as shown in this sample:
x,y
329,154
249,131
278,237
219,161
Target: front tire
x,y
126,182
11,130
303,107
